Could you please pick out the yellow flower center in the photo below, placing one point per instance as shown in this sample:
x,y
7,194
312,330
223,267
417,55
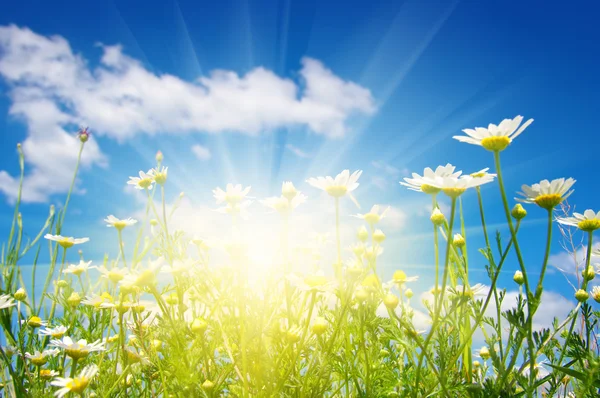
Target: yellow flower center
x,y
66,243
119,224
315,280
429,190
372,218
454,192
115,276
391,301
145,182
39,361
57,334
78,271
45,373
478,175
548,201
589,225
496,143
371,281
399,277
34,322
145,278
337,191
233,199
160,178
77,352
78,384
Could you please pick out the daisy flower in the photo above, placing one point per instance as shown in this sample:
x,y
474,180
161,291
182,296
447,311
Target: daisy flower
x,y
374,215
547,194
114,274
400,277
113,221
77,350
456,186
233,194
143,278
596,293
40,358
6,301
495,138
144,181
78,269
34,322
284,205
96,301
66,241
483,173
312,282
160,175
48,373
588,221
421,183
56,332
237,208
477,290
75,385
288,190
343,184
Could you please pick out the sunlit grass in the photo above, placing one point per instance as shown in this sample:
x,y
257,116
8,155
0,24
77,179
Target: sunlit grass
x,y
187,316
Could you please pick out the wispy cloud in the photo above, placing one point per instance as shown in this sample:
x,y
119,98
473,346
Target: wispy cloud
x,y
53,89
387,174
297,151
201,152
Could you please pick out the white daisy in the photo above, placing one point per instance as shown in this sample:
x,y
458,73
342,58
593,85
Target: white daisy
x,y
66,241
144,181
75,385
288,190
96,301
421,183
41,358
547,194
312,282
284,205
400,277
233,194
456,186
483,173
374,215
113,221
495,138
6,301
588,221
78,269
114,274
56,332
79,349
343,184
160,175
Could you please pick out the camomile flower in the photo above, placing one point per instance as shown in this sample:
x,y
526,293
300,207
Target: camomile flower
x,y
48,373
421,183
113,221
372,252
456,186
78,269
236,208
284,205
201,243
77,350
144,181
114,274
6,301
66,241
41,358
483,173
343,184
288,190
75,385
56,332
233,194
400,278
547,194
160,175
477,290
34,322
312,282
143,277
538,368
588,221
96,301
374,215
495,138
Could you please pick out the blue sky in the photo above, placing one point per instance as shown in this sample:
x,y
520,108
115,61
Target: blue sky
x,y
388,82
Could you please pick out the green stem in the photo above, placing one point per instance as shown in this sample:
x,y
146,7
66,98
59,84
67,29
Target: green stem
x,y
122,246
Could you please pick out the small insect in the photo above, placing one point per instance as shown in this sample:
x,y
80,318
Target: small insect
x,y
83,134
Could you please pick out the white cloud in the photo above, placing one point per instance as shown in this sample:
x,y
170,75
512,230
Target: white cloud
x,y
297,151
53,89
386,176
569,262
201,152
394,219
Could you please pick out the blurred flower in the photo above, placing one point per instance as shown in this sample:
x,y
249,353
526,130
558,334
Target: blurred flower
x,y
437,217
518,278
233,194
343,184
456,186
547,194
48,373
588,221
114,274
6,301
421,183
284,205
20,295
75,385
459,241
160,175
288,190
34,322
374,215
78,269
400,277
312,282
144,181
56,332
83,134
113,221
237,208
40,358
495,138
483,173
319,326
596,293
96,301
66,241
79,349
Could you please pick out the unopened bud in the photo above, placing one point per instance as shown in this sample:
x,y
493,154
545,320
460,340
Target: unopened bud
x,y
362,234
20,295
74,299
581,295
437,217
378,236
159,156
459,241
518,212
518,278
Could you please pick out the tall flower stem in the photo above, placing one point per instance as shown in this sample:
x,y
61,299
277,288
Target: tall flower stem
x,y
122,247
338,265
436,253
438,308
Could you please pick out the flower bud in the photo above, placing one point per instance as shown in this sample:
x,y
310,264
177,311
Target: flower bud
x,y
199,326
288,190
361,295
208,385
518,212
408,293
363,234
484,353
319,326
62,283
437,217
74,299
459,241
378,236
83,135
588,274
581,295
20,295
391,301
518,278
293,336
159,157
